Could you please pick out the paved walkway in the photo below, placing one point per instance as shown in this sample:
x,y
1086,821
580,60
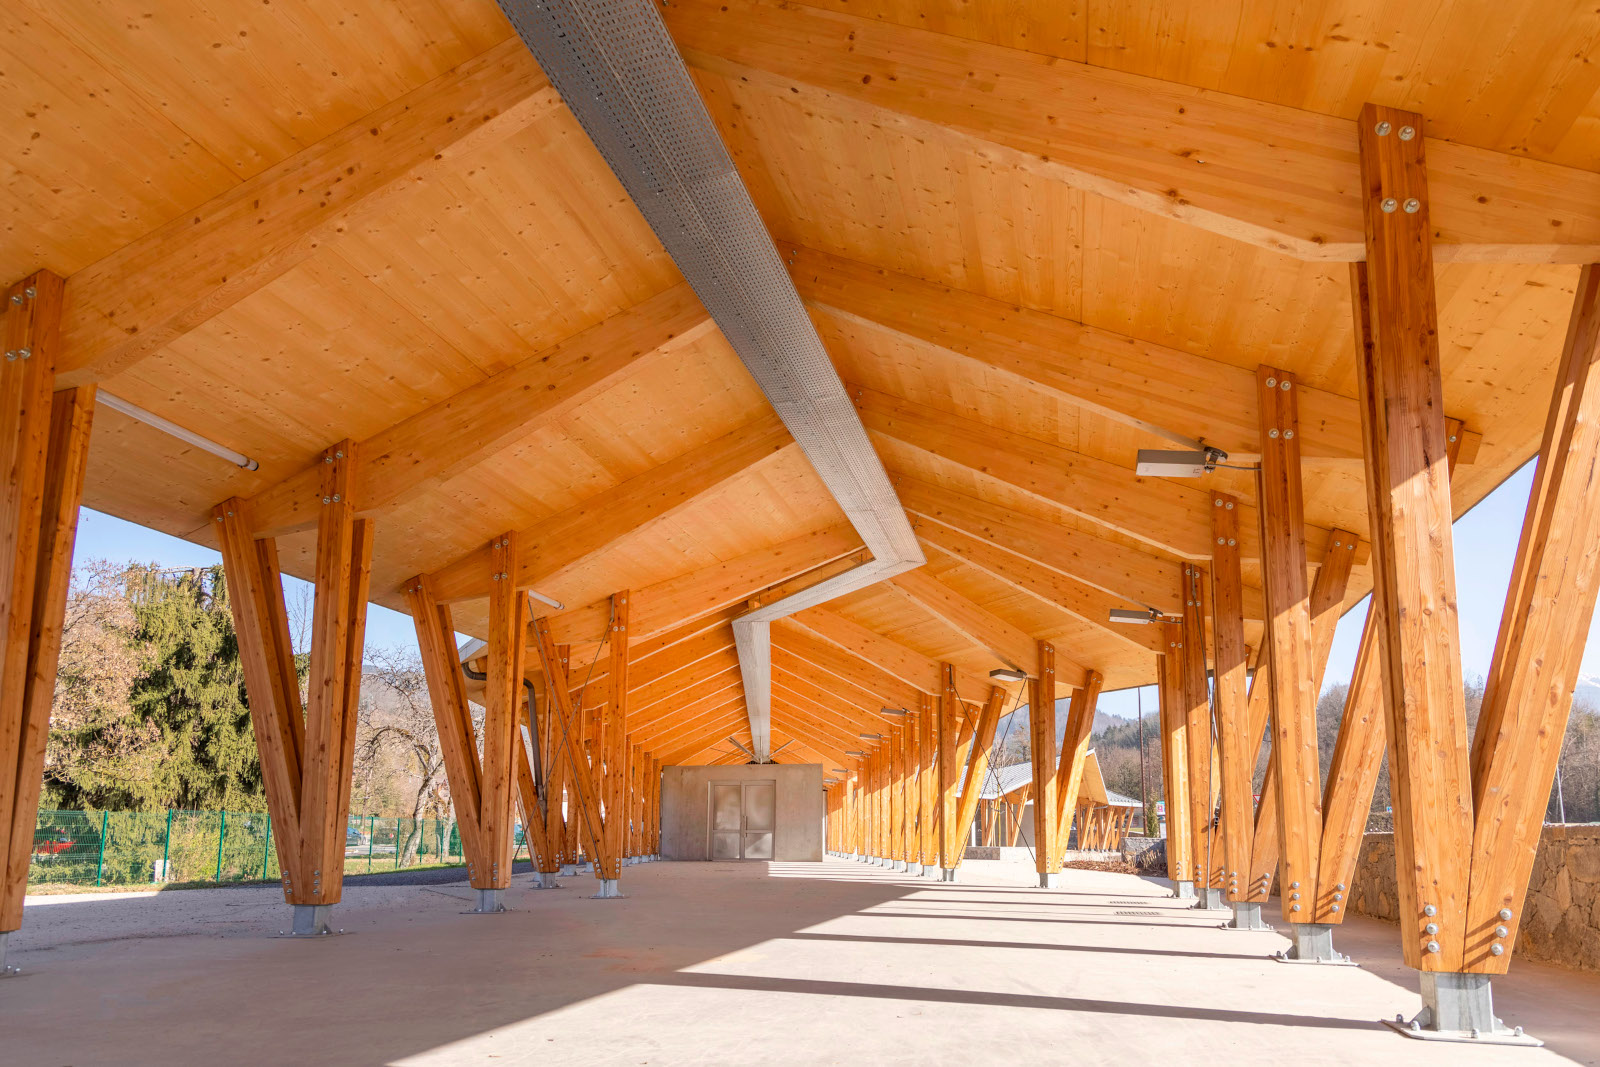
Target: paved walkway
x,y
729,964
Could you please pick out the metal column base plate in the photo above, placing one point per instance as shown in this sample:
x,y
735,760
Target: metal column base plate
x,y
1312,943
914,869
1183,890
1499,1036
6,972
310,921
610,889
544,880
1247,919
490,902
1210,900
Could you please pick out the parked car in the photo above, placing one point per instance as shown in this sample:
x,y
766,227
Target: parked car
x,y
354,838
52,844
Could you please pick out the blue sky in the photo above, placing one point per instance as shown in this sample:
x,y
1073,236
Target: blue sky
x,y
1485,542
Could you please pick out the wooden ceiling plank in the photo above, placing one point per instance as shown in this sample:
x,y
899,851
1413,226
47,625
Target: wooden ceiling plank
x,y
1188,399
911,667
982,627
591,526
891,691
456,433
152,291
1077,599
1278,177
1168,515
796,562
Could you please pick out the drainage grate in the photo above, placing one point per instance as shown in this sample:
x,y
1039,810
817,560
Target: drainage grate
x,y
1140,914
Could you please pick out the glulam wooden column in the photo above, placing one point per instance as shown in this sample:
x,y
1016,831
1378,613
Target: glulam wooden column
x,y
1408,489
1175,756
44,449
1042,729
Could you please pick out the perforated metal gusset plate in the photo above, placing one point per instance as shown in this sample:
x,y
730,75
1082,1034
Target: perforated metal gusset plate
x,y
618,70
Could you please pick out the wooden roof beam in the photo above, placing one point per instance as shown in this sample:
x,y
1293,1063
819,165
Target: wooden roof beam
x,y
980,626
170,281
1139,575
796,563
461,430
593,525
1083,602
887,654
891,691
1160,512
849,701
1266,174
1189,400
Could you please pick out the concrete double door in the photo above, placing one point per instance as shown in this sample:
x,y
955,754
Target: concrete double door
x,y
743,818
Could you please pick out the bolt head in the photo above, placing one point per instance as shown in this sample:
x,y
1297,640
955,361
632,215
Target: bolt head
x,y
1288,435
1271,383
1505,914
1283,386
1430,910
1412,206
1433,946
1431,928
1389,204
1382,129
326,500
1497,950
1294,907
1334,907
1294,885
1407,133
1272,434
1501,931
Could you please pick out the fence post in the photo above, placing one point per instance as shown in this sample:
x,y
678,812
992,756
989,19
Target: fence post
x,y
100,865
166,851
266,847
222,832
397,843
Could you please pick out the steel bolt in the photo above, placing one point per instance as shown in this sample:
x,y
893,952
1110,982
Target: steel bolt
x,y
1412,206
1501,931
1294,907
1272,434
1294,885
1334,907
1505,914
1429,910
1497,950
1288,435
1382,129
1271,382
1284,385
24,352
1431,928
1406,133
1294,896
325,500
1340,887
1389,204
1433,946
30,292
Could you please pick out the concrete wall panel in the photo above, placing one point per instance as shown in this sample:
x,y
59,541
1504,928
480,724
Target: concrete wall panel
x,y
685,808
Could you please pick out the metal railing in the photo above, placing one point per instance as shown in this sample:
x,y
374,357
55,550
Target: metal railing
x,y
101,848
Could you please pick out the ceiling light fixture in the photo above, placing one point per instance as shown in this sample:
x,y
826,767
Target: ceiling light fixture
x,y
1185,463
166,426
872,737
1135,616
853,752
1008,674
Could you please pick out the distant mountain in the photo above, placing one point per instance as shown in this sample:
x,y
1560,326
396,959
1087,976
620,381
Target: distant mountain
x,y
1018,721
1587,691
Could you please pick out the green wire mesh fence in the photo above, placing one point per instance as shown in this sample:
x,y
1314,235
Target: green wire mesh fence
x,y
102,848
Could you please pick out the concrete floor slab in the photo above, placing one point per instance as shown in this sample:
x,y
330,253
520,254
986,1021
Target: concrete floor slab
x,y
755,963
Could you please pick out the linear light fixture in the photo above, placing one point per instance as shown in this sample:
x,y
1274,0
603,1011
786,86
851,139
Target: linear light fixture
x,y
541,598
838,770
167,426
1183,463
1135,616
872,737
1008,674
894,711
853,752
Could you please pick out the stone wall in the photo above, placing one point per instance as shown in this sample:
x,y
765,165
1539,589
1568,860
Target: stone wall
x,y
1561,916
